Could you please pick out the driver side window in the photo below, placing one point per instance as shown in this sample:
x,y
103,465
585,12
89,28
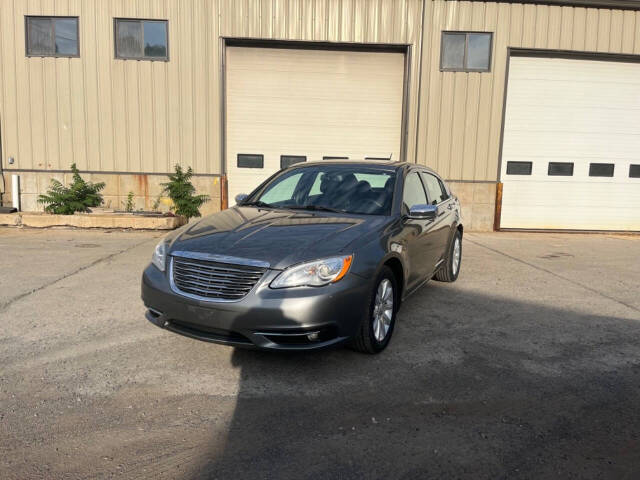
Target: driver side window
x,y
413,193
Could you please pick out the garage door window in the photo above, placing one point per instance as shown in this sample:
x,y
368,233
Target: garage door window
x,y
601,169
634,171
246,160
465,52
560,169
519,168
288,160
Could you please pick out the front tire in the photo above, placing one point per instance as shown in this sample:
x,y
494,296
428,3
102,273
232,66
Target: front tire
x,y
451,267
376,327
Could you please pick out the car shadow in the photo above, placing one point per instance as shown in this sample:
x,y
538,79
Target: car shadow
x,y
471,386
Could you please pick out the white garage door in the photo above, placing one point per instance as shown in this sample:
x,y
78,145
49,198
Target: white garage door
x,y
571,151
285,105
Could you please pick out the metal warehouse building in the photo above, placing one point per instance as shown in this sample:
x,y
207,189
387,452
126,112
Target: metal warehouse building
x,y
531,110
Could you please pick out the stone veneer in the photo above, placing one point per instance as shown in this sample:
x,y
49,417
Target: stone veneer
x,y
478,202
145,187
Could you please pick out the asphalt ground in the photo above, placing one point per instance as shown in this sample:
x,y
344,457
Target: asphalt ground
x,y
527,367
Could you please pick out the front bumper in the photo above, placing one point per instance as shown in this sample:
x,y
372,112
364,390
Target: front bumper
x,y
272,319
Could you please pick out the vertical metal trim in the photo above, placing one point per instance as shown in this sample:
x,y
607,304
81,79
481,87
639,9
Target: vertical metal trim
x,y
419,72
223,106
504,111
404,123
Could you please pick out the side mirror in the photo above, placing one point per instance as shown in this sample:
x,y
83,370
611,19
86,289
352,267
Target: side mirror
x,y
423,211
241,197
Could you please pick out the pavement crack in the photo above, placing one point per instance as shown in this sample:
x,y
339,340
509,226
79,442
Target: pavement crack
x,y
541,269
11,301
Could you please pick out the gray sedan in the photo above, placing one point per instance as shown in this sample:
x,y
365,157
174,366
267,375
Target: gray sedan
x,y
320,254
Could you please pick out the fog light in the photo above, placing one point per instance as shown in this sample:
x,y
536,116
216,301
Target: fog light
x,y
313,336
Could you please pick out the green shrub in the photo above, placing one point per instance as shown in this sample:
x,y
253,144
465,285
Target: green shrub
x,y
128,207
181,191
77,197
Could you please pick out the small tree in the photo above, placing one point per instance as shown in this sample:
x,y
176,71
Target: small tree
x,y
77,197
181,191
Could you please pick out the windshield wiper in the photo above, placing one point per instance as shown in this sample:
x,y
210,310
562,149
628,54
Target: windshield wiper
x,y
317,208
258,203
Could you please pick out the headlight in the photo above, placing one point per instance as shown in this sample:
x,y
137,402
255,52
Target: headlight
x,y
314,274
159,257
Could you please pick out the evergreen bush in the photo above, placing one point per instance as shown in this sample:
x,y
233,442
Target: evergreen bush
x,y
181,191
80,196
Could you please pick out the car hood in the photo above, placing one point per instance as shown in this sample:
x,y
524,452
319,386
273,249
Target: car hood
x,y
279,237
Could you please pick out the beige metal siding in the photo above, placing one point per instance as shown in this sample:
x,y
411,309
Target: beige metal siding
x,y
140,116
116,115
461,113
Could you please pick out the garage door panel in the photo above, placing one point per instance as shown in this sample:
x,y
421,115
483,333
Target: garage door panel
x,y
575,111
559,144
313,103
584,206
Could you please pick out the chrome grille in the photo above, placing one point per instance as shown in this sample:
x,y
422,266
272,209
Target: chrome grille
x,y
213,280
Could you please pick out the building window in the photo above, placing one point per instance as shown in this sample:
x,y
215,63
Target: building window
x,y
52,36
601,169
250,160
465,52
141,39
519,168
634,171
560,169
329,157
288,160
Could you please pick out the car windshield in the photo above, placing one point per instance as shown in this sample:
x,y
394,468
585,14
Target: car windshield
x,y
358,189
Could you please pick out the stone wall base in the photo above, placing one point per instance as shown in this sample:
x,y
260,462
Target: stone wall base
x,y
146,190
478,202
477,199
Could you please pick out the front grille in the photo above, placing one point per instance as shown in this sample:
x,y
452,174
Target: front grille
x,y
214,280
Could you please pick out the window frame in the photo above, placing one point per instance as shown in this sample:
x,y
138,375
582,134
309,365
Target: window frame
x,y
283,157
140,20
519,163
600,164
466,34
53,30
256,155
549,174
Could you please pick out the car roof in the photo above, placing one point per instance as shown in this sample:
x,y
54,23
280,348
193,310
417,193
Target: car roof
x,y
382,164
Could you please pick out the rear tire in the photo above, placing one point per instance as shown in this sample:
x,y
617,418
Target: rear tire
x,y
376,326
451,267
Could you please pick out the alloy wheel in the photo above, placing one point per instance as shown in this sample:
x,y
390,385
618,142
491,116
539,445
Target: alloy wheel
x,y
383,310
455,261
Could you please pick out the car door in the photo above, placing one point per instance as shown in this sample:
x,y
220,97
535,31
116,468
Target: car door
x,y
417,232
441,228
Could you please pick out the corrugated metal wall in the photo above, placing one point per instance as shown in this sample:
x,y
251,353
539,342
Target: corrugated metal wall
x,y
106,114
140,116
461,113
